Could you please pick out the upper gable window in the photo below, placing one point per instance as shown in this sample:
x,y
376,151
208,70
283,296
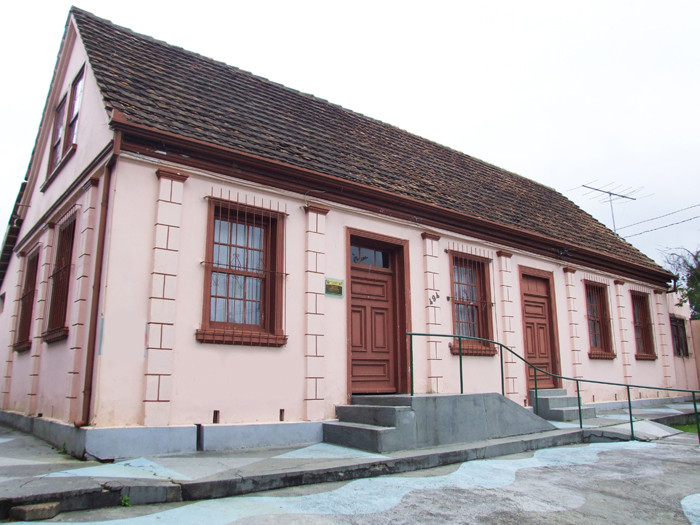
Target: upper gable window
x,y
471,304
65,125
598,321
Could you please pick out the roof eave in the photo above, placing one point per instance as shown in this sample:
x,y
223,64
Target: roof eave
x,y
245,165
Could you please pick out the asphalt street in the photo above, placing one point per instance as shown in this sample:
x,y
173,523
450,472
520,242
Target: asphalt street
x,y
627,482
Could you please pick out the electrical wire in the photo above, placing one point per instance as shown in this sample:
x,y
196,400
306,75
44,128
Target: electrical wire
x,y
659,217
662,227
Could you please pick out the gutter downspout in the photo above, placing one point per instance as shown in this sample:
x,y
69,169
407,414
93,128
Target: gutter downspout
x,y
97,285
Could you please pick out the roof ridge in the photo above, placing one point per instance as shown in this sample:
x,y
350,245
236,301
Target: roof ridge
x,y
311,96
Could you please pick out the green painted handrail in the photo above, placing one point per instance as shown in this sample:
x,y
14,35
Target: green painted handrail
x,y
411,335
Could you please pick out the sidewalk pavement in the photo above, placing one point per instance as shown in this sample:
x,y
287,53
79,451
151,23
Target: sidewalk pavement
x,y
38,481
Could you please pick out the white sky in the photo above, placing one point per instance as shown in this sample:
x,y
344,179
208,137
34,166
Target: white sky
x,y
605,93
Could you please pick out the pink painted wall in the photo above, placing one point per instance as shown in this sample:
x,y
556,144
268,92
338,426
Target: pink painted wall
x,y
252,384
48,378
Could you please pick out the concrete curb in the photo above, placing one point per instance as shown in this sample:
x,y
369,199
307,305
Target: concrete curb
x,y
418,460
87,493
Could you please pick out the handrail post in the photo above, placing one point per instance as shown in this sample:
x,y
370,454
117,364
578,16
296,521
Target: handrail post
x,y
411,356
578,395
697,421
461,373
629,403
503,379
537,404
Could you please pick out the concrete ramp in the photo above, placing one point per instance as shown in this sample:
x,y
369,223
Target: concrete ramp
x,y
386,423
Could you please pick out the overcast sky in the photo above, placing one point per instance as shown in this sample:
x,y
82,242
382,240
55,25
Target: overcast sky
x,y
604,93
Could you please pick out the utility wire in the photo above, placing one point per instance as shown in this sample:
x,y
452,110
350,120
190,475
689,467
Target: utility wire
x,y
659,217
662,227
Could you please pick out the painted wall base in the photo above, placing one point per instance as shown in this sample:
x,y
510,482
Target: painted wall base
x,y
636,403
640,403
128,442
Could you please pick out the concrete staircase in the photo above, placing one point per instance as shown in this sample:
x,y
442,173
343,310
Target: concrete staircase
x,y
377,424
387,423
554,404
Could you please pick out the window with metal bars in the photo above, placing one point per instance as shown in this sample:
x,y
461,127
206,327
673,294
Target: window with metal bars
x,y
471,304
59,283
643,334
680,340
23,336
243,289
599,332
65,126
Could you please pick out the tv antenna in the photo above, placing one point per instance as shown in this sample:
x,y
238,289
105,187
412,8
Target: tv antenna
x,y
610,195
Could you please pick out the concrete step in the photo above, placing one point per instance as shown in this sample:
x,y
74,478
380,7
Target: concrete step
x,y
548,392
567,414
383,399
557,402
373,438
385,416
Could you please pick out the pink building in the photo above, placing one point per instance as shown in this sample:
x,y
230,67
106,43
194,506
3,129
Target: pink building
x,y
194,245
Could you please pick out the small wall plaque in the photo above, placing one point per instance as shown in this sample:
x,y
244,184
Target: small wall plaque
x,y
334,287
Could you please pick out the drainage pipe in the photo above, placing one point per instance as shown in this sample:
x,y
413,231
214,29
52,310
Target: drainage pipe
x,y
97,287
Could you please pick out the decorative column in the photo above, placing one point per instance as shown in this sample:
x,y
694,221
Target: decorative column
x,y
315,343
507,291
82,286
574,333
431,269
625,344
9,360
40,308
663,336
160,337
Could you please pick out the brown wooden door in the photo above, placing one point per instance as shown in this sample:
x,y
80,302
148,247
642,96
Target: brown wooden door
x,y
373,327
539,336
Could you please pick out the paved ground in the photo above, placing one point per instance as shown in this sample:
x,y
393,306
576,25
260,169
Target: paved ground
x,y
32,471
629,482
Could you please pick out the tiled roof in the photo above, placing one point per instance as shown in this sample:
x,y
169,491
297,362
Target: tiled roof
x,y
170,89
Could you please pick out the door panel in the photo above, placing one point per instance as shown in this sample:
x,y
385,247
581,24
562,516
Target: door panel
x,y
537,324
373,329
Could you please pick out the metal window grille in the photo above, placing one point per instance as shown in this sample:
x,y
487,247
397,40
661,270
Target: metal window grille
x,y
26,303
470,299
598,318
680,340
239,275
59,280
642,325
245,272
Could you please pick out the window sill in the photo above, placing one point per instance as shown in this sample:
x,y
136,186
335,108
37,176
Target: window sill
x,y
601,355
61,163
645,357
473,350
22,346
55,335
231,337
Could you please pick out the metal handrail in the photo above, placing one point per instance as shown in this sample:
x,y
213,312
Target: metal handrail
x,y
459,338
